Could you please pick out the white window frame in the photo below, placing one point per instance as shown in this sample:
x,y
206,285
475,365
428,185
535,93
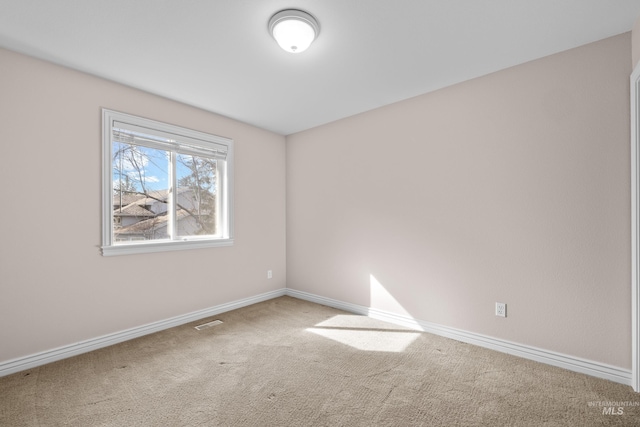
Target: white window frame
x,y
195,139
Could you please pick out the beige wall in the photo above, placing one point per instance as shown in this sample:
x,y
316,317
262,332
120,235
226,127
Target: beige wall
x,y
55,287
513,187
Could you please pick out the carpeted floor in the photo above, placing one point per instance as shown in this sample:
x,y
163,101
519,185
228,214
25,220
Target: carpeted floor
x,y
287,362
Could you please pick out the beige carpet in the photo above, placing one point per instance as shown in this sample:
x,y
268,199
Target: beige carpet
x,y
287,362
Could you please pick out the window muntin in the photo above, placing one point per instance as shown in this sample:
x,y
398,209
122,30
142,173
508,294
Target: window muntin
x,y
164,187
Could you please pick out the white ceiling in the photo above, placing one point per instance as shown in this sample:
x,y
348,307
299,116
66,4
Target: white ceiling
x,y
219,56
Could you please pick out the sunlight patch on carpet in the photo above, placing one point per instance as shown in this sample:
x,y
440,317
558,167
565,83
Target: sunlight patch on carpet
x,y
364,333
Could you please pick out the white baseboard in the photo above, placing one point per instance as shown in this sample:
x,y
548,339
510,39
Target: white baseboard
x,y
576,364
38,359
596,369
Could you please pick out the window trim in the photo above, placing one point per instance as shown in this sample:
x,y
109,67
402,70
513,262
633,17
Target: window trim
x,y
225,192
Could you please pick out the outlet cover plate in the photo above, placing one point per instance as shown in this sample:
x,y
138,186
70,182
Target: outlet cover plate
x,y
501,309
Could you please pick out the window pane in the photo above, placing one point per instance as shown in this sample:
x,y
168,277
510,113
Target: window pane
x,y
196,195
170,188
140,183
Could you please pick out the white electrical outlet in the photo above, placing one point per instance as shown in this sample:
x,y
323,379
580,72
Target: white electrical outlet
x,y
269,274
501,309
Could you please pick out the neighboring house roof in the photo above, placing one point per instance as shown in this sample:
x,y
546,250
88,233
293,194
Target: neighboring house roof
x,y
145,199
127,199
158,194
150,224
130,201
148,220
134,209
143,226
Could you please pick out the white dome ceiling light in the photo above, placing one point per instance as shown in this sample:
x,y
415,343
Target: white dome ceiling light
x,y
294,30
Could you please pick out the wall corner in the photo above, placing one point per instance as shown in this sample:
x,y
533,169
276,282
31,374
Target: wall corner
x,y
635,44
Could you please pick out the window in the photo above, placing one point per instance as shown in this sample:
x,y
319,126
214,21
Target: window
x,y
164,187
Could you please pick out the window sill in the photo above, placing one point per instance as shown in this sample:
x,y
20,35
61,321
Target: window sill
x,y
150,247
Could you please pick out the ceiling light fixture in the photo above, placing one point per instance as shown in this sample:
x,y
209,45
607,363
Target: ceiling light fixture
x,y
294,30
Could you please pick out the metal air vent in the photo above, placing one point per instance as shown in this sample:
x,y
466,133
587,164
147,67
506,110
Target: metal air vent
x,y
208,324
